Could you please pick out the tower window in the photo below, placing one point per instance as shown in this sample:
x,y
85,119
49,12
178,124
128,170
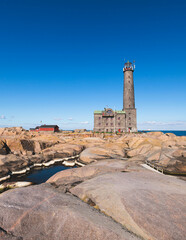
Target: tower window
x,y
99,118
99,124
106,124
129,106
129,118
118,124
118,118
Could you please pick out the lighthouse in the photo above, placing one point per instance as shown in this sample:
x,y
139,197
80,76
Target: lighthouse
x,y
128,97
112,120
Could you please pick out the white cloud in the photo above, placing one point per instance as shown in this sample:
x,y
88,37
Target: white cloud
x,y
70,119
75,123
57,119
86,122
161,125
2,117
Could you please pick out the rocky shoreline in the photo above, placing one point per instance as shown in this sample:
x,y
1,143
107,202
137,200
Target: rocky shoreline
x,y
113,196
69,161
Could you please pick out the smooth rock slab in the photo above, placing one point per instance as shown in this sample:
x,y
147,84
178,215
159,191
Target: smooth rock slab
x,y
93,154
149,204
72,175
43,213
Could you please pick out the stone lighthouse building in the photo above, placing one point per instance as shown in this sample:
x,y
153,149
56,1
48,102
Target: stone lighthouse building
x,y
110,120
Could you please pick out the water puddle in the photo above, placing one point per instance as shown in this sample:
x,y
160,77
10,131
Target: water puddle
x,y
39,175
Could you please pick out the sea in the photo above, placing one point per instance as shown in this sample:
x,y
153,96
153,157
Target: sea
x,y
176,132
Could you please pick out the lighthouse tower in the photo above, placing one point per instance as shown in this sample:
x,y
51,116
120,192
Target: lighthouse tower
x,y
128,97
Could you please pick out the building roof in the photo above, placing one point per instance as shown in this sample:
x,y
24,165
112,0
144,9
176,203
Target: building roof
x,y
117,111
48,126
122,112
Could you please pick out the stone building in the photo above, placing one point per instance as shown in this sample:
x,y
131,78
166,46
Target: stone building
x,y
110,120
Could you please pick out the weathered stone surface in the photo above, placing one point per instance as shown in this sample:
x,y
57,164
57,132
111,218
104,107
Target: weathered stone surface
x,y
149,204
157,134
12,162
81,174
12,131
44,213
94,153
24,145
140,150
179,153
99,153
4,149
31,148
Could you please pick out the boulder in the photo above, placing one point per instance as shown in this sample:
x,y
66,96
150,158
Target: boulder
x,y
12,131
170,134
4,149
93,154
154,156
156,134
24,145
63,150
18,162
140,150
179,153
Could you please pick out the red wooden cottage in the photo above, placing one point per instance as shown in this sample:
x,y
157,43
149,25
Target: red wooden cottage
x,y
46,128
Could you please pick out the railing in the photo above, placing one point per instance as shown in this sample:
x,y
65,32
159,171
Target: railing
x,y
164,171
154,166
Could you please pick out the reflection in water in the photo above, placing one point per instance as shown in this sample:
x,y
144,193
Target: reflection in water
x,y
42,175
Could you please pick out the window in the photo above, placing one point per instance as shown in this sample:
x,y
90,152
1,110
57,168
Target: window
x,y
129,124
106,124
99,124
129,106
118,124
129,118
99,118
118,118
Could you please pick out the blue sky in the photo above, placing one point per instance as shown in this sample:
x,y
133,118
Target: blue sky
x,y
61,60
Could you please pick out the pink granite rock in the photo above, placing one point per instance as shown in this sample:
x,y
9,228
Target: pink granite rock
x,y
149,204
44,213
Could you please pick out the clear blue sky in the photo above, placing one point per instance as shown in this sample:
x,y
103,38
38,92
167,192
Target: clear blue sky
x,y
61,60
